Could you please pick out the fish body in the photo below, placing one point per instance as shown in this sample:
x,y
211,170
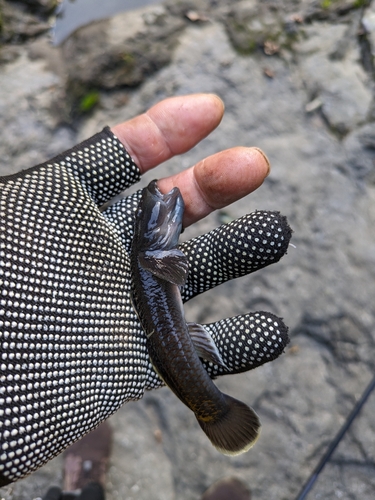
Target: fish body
x,y
159,270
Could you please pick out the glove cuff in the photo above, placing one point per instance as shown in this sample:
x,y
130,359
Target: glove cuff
x,y
101,165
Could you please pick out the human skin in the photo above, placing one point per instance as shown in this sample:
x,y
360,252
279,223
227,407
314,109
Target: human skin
x,y
174,126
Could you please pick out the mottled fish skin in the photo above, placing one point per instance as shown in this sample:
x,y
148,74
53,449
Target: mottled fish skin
x,y
159,269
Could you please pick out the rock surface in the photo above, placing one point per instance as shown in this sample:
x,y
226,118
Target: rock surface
x,y
309,105
121,50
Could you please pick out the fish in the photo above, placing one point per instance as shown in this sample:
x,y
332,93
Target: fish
x,y
159,270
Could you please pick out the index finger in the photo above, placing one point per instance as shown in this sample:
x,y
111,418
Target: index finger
x,y
171,127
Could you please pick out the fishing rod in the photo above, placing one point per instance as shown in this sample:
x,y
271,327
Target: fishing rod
x,y
325,458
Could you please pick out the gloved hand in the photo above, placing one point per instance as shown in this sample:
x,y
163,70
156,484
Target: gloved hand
x,y
72,347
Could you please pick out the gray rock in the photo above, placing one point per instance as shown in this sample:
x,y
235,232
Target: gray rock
x,y
360,149
323,288
17,24
44,6
30,129
122,50
329,9
368,25
251,26
341,83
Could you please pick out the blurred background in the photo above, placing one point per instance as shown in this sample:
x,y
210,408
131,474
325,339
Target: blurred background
x,y
297,79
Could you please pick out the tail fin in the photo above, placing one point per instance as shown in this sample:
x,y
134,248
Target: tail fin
x,y
234,432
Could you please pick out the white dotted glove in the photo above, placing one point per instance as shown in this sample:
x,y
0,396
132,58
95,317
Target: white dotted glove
x,y
72,348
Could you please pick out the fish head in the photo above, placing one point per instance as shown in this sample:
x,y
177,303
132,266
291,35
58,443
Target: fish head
x,y
159,218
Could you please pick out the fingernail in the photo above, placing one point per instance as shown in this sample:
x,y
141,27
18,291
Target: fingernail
x,y
267,161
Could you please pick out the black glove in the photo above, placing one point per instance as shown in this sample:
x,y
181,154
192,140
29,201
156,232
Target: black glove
x,y
72,347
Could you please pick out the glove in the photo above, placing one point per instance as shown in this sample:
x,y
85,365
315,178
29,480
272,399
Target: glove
x,y
73,350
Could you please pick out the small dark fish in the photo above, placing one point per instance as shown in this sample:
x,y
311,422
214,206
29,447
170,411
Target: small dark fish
x,y
159,269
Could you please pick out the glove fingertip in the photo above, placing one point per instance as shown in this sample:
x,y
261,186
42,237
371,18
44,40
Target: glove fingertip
x,y
247,341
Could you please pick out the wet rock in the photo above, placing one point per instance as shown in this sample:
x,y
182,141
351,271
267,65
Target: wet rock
x,y
336,77
17,24
29,124
42,6
368,24
251,26
122,50
181,7
360,150
9,53
323,9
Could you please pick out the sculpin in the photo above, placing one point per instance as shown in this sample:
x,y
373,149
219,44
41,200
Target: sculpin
x,y
159,270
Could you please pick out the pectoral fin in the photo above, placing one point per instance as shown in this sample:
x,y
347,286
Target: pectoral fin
x,y
204,345
169,265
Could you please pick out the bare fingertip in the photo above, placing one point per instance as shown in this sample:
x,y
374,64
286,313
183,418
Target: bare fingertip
x,y
266,160
219,101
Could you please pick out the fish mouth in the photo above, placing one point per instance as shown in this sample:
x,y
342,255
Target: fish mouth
x,y
172,199
161,216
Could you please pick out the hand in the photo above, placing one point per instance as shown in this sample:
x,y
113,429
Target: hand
x,y
72,348
173,127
